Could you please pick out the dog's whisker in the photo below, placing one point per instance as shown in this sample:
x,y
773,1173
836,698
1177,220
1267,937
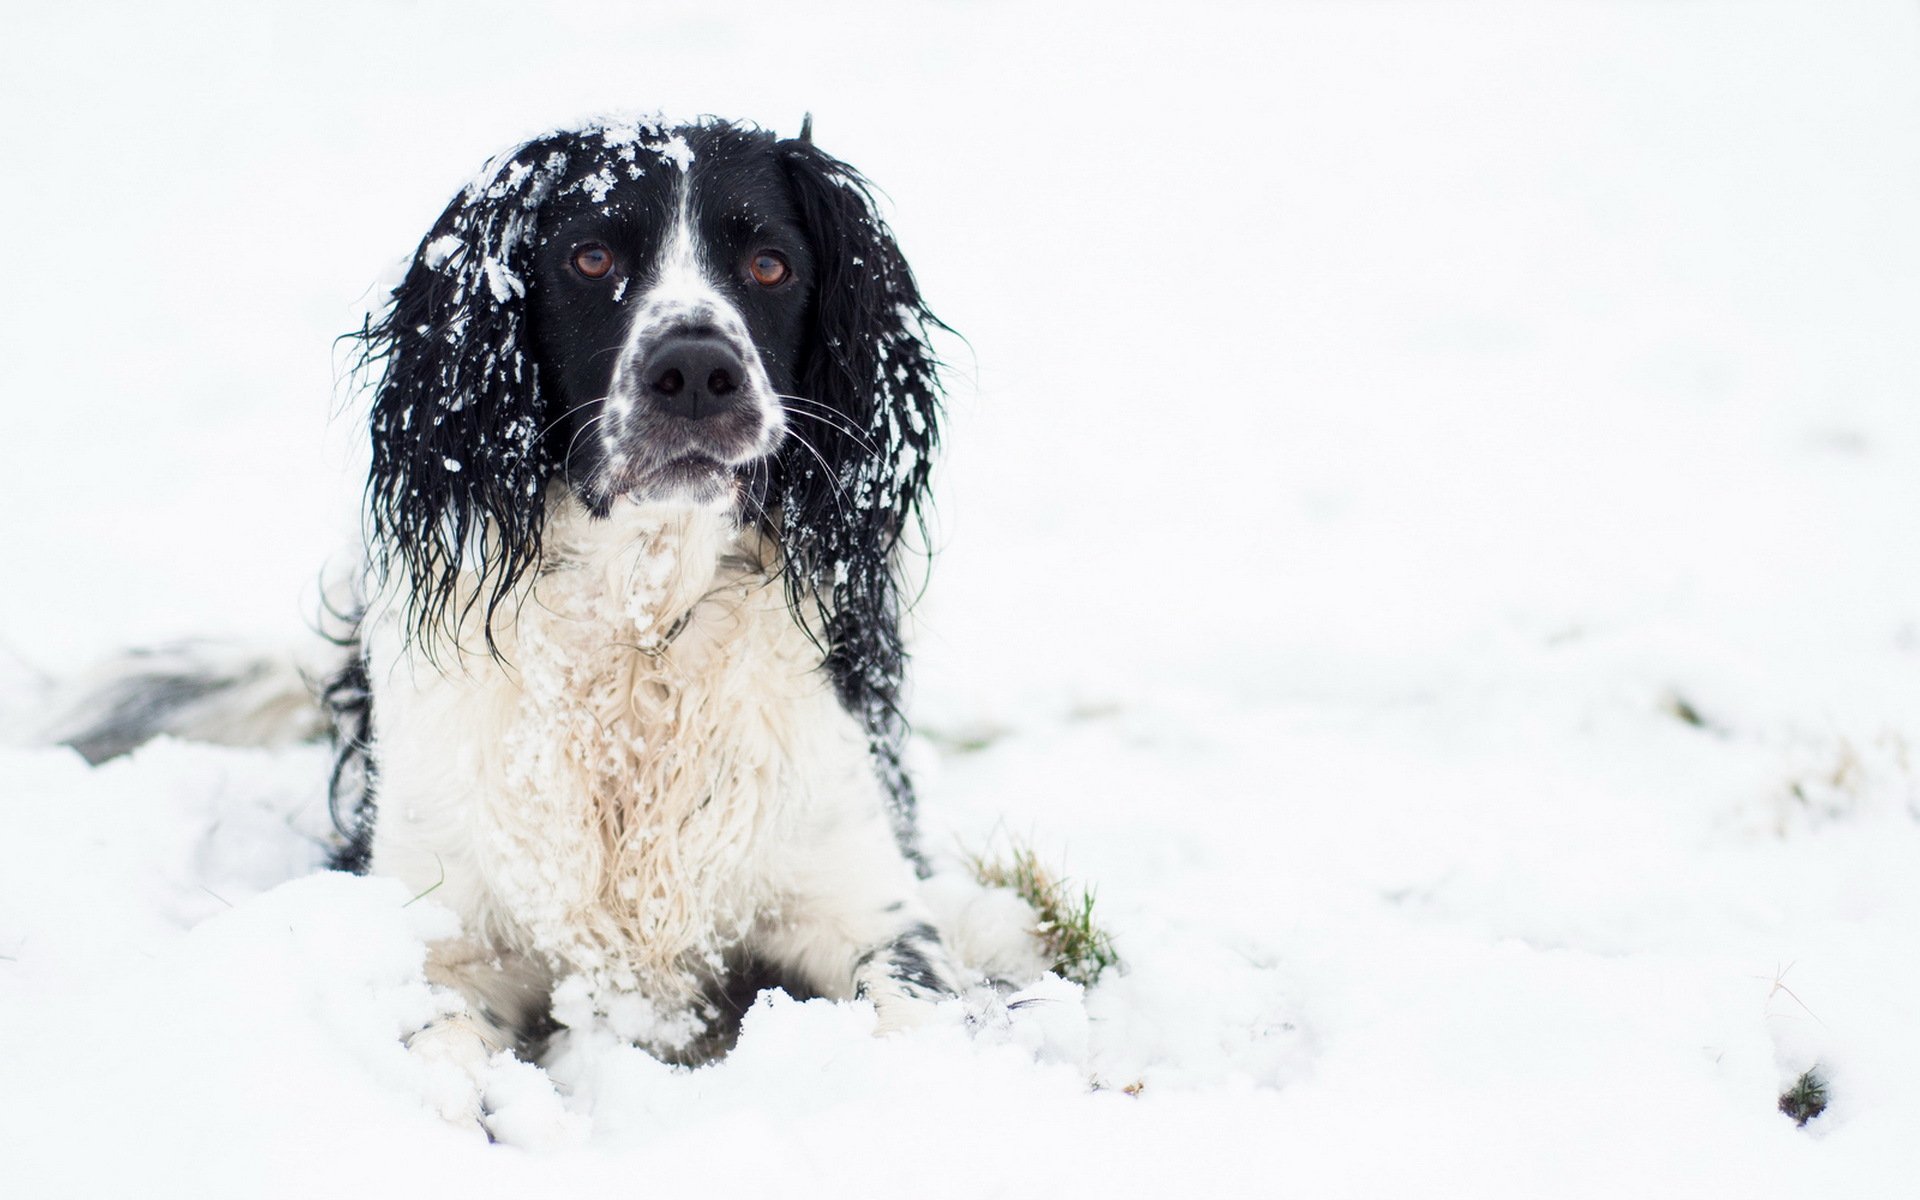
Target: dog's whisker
x,y
832,476
832,420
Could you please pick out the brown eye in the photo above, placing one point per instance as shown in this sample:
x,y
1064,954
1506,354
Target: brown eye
x,y
768,268
593,260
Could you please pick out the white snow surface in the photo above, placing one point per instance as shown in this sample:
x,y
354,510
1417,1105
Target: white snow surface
x,y
1377,421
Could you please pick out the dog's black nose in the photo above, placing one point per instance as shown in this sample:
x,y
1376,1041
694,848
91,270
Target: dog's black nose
x,y
693,377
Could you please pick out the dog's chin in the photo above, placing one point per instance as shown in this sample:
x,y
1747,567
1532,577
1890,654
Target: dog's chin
x,y
691,481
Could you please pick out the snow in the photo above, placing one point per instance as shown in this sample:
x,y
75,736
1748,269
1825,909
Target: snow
x,y
436,252
503,283
1377,424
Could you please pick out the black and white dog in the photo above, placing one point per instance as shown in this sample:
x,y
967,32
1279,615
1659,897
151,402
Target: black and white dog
x,y
654,406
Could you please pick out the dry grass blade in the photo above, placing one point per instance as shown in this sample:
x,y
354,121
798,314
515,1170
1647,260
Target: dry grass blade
x,y
1075,945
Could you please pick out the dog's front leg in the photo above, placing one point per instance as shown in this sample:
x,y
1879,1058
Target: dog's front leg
x,y
507,995
850,922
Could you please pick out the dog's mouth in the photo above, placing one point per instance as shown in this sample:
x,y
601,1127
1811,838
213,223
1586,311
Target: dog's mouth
x,y
690,467
694,479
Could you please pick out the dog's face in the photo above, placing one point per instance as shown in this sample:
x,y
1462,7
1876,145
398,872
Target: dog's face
x,y
667,309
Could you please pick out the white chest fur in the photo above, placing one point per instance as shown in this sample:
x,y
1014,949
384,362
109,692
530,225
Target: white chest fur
x,y
620,796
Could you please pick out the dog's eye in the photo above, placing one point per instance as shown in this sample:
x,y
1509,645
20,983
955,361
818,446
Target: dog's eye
x,y
768,268
593,260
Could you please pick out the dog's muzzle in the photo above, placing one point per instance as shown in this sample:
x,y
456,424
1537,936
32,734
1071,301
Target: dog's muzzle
x,y
690,407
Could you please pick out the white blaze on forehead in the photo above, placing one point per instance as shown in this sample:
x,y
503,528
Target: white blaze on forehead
x,y
682,289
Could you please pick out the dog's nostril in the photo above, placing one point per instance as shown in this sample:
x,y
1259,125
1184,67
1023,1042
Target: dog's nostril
x,y
670,382
720,382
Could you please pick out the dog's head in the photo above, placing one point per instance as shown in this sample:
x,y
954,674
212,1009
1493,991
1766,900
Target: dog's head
x,y
667,306
698,314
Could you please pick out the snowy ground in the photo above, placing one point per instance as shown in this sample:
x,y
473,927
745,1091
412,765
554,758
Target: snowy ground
x,y
1380,424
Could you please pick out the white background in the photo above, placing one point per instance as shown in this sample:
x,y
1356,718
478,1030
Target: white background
x,y
1372,418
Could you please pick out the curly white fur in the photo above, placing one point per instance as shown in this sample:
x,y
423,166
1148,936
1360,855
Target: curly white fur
x,y
653,780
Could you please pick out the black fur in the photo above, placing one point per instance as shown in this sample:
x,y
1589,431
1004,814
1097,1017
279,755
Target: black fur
x,y
871,360
485,385
348,697
908,959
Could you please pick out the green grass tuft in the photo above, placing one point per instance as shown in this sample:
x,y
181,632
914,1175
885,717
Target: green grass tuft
x,y
1075,945
1807,1098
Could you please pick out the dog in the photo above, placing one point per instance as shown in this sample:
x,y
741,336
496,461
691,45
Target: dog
x,y
652,415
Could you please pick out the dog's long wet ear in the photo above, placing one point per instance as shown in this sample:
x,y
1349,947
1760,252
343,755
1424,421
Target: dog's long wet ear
x,y
458,470
869,365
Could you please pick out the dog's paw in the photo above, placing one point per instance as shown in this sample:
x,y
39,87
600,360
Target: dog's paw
x,y
1048,1019
523,1108
453,1057
901,1008
490,1093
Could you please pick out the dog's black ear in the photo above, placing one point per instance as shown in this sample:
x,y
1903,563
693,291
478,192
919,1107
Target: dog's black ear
x,y
867,362
455,497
